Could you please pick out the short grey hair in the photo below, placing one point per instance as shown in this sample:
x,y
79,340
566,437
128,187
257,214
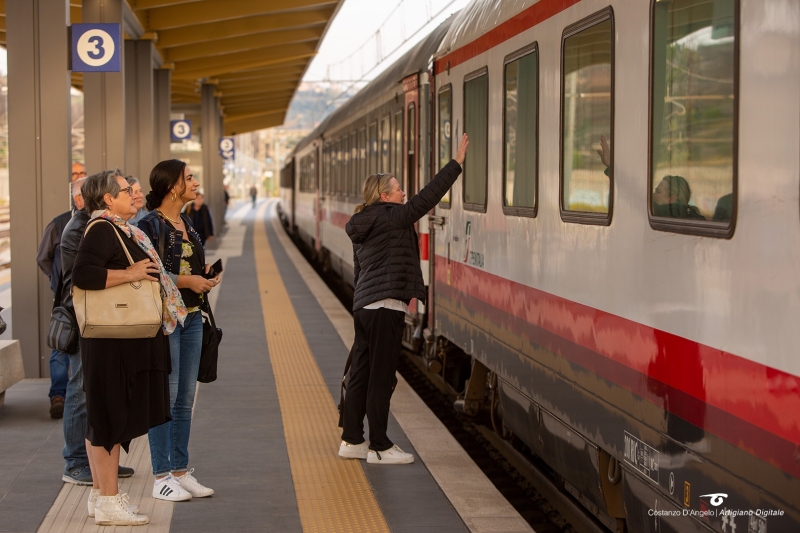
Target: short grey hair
x,y
76,187
97,186
131,180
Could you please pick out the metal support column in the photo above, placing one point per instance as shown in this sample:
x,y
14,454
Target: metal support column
x,y
212,162
104,99
163,107
139,109
39,167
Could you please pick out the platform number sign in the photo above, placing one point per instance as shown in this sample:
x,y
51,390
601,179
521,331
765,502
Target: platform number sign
x,y
226,149
180,130
96,47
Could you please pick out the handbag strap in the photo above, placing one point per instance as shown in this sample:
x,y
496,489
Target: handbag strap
x,y
124,248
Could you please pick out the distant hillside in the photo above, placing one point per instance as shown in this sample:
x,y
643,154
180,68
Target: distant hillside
x,y
314,101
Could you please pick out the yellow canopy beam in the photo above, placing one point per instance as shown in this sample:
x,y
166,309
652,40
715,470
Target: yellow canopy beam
x,y
234,126
241,44
163,18
259,90
195,68
247,26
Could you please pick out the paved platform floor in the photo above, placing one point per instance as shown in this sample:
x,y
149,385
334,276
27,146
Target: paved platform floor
x,y
264,434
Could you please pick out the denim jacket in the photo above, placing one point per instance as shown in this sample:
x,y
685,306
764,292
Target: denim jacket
x,y
152,225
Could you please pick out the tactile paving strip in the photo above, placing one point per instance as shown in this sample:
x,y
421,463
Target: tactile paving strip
x,y
333,494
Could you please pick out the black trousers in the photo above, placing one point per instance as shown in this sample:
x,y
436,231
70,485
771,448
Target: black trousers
x,y
376,352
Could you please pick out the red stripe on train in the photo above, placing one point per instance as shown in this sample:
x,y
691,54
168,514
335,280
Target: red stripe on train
x,y
765,397
537,13
423,246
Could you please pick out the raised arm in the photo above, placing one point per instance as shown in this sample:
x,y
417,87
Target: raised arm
x,y
430,195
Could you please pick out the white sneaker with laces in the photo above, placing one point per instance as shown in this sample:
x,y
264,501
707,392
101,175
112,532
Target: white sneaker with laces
x,y
169,488
113,511
353,451
392,456
190,484
92,502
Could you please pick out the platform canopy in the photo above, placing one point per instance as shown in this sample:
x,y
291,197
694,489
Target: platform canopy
x,y
255,51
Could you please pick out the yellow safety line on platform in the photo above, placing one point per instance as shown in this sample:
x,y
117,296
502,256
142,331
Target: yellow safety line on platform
x,y
332,493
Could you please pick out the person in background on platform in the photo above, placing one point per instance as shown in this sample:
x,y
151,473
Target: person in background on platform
x,y
138,200
172,186
253,194
387,276
125,380
48,257
200,216
225,199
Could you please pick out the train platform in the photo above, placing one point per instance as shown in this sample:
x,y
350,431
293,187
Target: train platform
x,y
264,435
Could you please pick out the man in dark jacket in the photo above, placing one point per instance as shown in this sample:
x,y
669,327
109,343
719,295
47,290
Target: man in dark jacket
x,y
387,276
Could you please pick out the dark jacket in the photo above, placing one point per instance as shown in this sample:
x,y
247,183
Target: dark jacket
x,y
70,241
48,255
677,210
201,221
170,250
385,244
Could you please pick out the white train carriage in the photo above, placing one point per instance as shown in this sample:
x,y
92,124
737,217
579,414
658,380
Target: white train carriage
x,y
622,248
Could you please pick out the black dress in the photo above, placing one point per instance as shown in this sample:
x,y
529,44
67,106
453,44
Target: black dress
x,y
126,380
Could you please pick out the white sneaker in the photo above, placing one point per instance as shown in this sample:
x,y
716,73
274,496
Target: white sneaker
x,y
392,456
353,451
168,488
94,493
190,484
113,511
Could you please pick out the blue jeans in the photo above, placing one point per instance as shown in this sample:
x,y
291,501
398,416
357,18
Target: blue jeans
x,y
169,443
59,373
75,417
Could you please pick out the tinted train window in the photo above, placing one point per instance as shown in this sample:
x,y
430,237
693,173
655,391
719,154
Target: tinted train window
x,y
362,159
587,120
373,148
476,117
445,132
353,171
398,147
347,170
411,163
385,137
337,166
521,133
326,169
693,137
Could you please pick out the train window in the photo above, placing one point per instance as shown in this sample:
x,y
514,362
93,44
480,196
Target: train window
x,y
337,167
398,146
385,135
587,125
476,123
373,148
412,143
353,170
326,169
362,159
520,114
312,170
693,117
346,165
445,132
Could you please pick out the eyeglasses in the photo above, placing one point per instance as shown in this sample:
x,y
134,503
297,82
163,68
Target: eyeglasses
x,y
128,190
79,174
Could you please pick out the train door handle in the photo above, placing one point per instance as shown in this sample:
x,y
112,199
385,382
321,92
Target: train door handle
x,y
439,221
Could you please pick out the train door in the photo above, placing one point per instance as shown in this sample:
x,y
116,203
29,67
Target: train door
x,y
411,90
315,175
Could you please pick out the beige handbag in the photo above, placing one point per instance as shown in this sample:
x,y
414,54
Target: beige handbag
x,y
128,311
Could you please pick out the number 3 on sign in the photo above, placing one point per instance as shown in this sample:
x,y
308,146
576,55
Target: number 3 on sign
x,y
96,48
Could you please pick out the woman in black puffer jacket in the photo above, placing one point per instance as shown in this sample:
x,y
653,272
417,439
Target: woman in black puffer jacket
x,y
387,277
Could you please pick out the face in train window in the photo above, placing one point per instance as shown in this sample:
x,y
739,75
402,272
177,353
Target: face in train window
x,y
445,128
586,157
476,121
521,106
693,111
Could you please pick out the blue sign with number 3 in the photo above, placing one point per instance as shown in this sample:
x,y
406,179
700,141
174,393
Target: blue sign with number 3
x,y
96,47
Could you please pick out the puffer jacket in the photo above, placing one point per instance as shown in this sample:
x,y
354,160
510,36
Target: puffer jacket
x,y
385,244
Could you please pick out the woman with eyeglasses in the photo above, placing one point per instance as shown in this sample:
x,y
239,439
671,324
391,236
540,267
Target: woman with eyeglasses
x,y
181,249
387,276
138,200
125,380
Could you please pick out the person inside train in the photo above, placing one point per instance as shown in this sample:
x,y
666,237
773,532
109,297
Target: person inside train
x,y
671,199
387,276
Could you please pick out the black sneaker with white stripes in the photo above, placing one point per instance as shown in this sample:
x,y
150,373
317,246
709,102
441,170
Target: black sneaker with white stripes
x,y
168,488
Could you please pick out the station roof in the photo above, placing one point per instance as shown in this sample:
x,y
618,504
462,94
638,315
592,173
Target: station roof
x,y
255,51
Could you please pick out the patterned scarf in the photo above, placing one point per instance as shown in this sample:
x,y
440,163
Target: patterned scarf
x,y
173,309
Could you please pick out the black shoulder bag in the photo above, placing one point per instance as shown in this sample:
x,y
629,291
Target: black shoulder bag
x,y
62,335
212,336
